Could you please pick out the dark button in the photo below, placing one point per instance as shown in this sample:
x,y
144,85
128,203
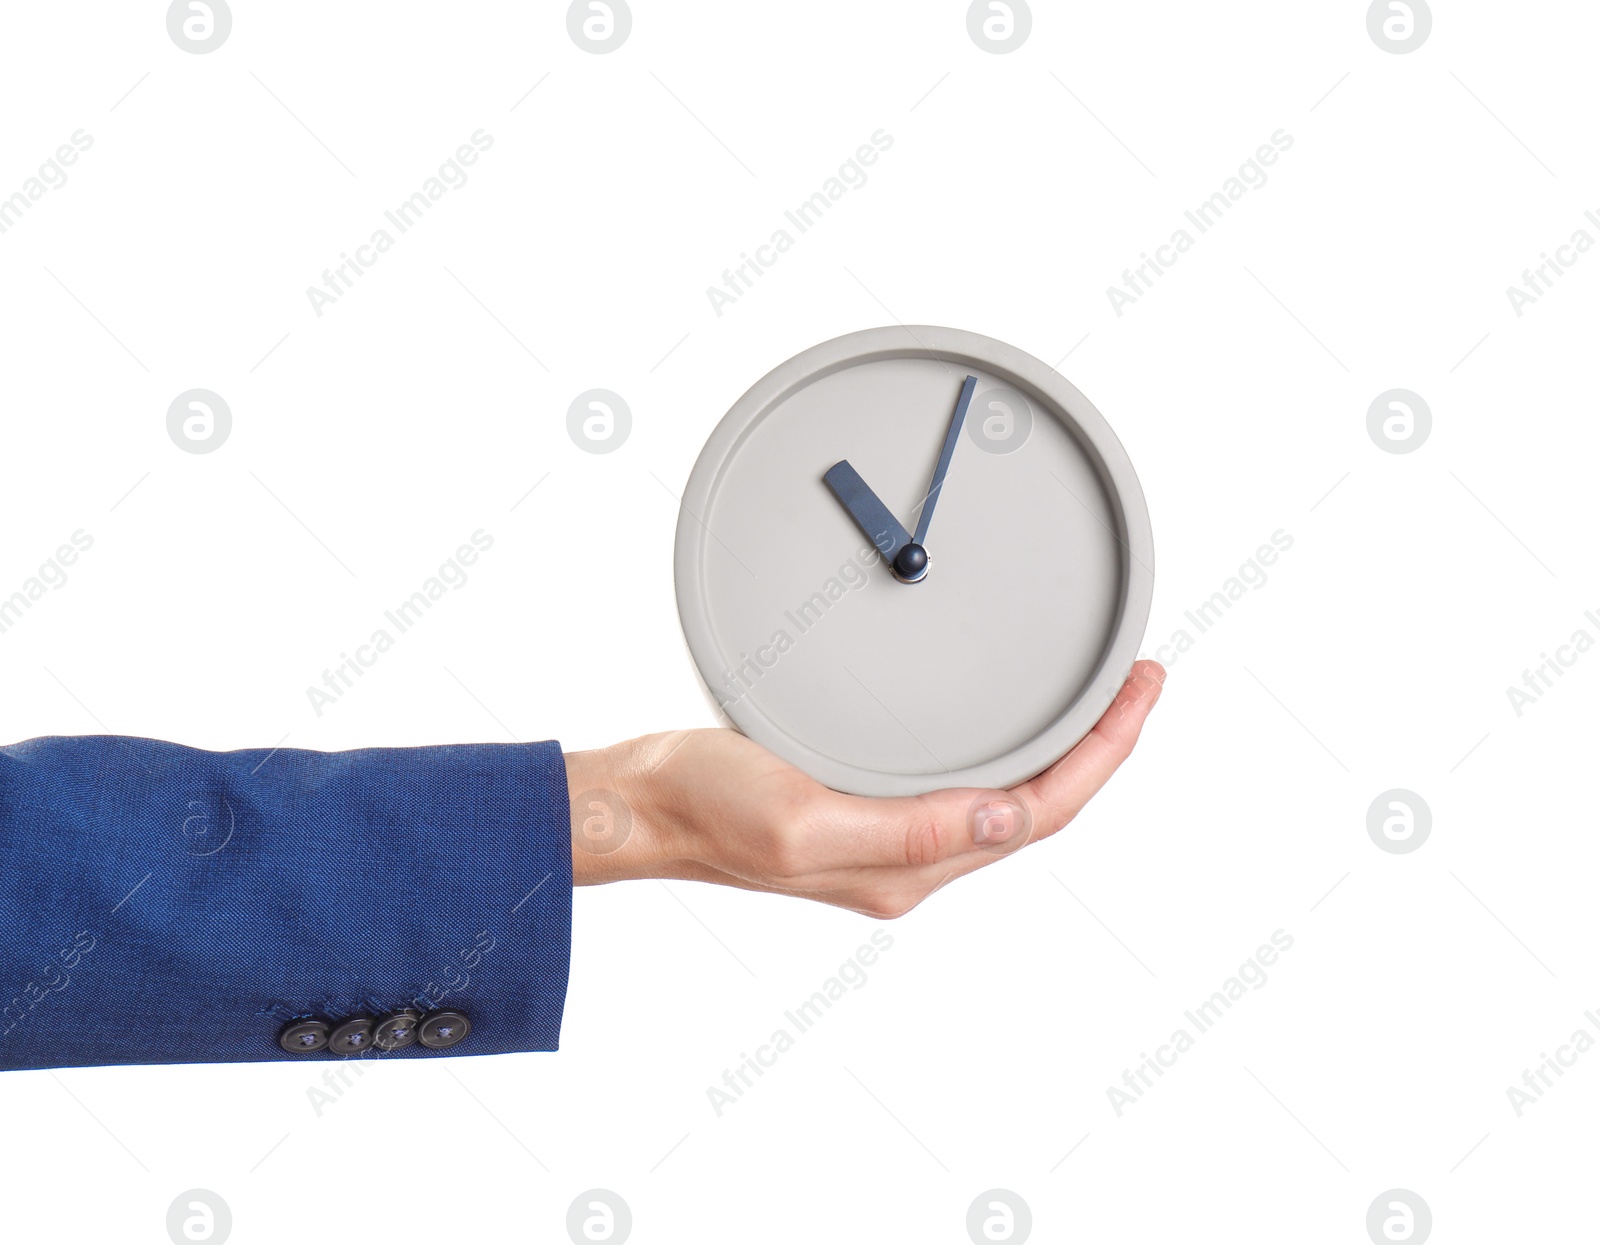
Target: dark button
x,y
352,1037
397,1029
442,1030
301,1037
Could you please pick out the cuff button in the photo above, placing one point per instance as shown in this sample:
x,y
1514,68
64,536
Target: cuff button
x,y
302,1037
352,1037
396,1030
442,1030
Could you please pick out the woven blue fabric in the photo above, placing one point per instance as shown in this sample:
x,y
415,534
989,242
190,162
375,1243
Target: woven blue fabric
x,y
163,904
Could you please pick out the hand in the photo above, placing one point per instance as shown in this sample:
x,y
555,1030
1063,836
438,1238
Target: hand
x,y
712,806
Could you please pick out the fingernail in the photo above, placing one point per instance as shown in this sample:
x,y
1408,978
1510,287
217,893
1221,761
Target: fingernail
x,y
994,822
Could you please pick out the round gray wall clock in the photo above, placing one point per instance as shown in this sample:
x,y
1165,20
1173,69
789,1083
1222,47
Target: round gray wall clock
x,y
913,558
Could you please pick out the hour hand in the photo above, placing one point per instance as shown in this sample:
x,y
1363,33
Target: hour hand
x,y
870,514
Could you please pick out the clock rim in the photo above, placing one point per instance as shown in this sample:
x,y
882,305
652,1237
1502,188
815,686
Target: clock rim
x,y
1093,435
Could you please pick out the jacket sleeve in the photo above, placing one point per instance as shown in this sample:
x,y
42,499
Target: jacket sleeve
x,y
163,904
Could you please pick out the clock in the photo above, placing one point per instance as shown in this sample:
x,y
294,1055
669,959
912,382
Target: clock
x,y
913,558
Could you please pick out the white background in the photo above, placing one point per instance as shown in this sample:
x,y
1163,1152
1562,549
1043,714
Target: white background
x,y
369,442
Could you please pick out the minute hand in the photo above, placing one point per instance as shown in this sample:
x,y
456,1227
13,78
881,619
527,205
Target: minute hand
x,y
945,454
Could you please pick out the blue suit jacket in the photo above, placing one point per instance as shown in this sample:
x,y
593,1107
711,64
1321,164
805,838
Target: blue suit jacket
x,y
162,904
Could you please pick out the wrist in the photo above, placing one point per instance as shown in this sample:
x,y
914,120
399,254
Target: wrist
x,y
612,829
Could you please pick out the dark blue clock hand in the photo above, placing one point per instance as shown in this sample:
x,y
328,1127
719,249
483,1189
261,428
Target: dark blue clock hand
x,y
870,514
945,454
904,553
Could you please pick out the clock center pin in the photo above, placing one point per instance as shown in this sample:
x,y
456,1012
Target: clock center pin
x,y
911,564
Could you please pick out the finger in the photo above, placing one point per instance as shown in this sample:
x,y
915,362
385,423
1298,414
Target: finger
x,y
1058,795
1048,801
917,832
910,832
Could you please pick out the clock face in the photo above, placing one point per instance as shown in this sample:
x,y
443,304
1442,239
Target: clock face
x,y
890,635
